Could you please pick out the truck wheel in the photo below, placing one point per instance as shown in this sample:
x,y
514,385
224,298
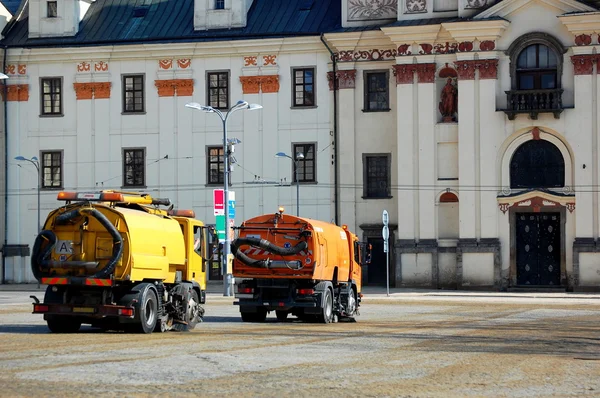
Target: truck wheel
x,y
63,324
326,316
259,316
281,315
148,309
194,310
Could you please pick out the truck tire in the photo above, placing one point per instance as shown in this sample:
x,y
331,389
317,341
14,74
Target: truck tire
x,y
281,315
63,324
193,312
326,315
259,316
148,310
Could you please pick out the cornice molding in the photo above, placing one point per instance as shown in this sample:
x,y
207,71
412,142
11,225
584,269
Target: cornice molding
x,y
506,7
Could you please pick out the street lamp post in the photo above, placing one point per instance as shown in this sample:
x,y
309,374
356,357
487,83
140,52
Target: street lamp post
x,y
240,105
34,161
299,156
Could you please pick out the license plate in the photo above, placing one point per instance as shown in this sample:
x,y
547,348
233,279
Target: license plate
x,y
63,247
266,304
86,310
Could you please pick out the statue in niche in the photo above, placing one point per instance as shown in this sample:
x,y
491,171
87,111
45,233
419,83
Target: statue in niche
x,y
449,102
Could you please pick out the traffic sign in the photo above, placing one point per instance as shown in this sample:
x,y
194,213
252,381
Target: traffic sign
x,y
218,202
385,217
385,232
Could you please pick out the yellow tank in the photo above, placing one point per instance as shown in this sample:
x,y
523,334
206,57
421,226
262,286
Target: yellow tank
x,y
108,252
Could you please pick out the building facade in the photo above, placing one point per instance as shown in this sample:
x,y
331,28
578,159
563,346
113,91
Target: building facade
x,y
476,125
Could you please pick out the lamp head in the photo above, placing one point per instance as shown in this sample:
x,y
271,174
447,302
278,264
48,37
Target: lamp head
x,y
253,107
3,76
195,105
19,158
35,159
299,156
281,155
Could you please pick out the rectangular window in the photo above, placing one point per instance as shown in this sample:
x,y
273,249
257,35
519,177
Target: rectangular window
x,y
304,87
306,163
52,10
376,176
218,89
214,165
377,91
134,167
133,94
51,169
219,4
51,96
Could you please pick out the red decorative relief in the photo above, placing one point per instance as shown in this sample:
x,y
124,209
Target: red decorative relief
x,y
488,69
366,55
466,69
184,87
250,61
101,66
487,45
404,49
10,69
184,63
269,83
426,48
583,64
16,92
447,48
166,88
583,40
447,71
504,207
535,132
83,67
22,69
250,84
269,60
465,46
165,64
426,73
404,73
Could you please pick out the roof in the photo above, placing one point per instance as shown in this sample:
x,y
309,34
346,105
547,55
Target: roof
x,y
11,5
109,22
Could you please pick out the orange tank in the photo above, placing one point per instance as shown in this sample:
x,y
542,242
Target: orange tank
x,y
297,266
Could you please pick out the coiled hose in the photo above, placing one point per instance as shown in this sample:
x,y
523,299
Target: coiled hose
x,y
266,245
40,257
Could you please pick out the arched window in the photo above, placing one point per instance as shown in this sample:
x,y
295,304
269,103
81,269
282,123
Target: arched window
x,y
537,164
537,68
536,62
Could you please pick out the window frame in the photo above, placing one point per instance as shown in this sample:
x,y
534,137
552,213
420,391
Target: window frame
x,y
43,166
303,163
209,88
49,14
520,44
367,92
125,165
124,92
294,85
43,95
220,165
219,4
388,161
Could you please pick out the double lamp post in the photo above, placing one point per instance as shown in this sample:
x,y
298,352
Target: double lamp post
x,y
227,144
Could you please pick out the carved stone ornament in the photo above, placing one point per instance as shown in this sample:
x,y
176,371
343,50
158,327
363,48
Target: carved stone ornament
x,y
97,90
426,73
22,69
101,66
269,83
537,204
414,6
184,87
425,48
404,49
269,60
465,46
10,69
583,40
166,88
584,64
365,10
476,3
488,69
16,92
250,61
165,64
535,133
487,45
366,55
83,67
250,84
184,63
345,79
405,73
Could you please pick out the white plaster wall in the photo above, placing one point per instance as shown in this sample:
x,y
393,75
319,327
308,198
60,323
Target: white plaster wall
x,y
92,134
478,269
447,269
589,266
416,269
375,134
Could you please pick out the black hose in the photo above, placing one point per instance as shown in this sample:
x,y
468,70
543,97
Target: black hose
x,y
40,257
266,245
117,243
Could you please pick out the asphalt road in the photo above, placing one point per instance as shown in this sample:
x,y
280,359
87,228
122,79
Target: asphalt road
x,y
431,344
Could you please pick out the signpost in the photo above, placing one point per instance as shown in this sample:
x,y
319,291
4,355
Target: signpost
x,y
219,211
386,235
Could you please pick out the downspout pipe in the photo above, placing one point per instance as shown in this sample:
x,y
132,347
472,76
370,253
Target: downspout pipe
x,y
5,90
336,199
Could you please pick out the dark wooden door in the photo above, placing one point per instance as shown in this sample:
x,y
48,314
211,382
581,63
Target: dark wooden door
x,y
538,249
376,273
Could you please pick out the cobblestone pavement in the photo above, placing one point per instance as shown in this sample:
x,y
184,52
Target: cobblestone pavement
x,y
413,343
